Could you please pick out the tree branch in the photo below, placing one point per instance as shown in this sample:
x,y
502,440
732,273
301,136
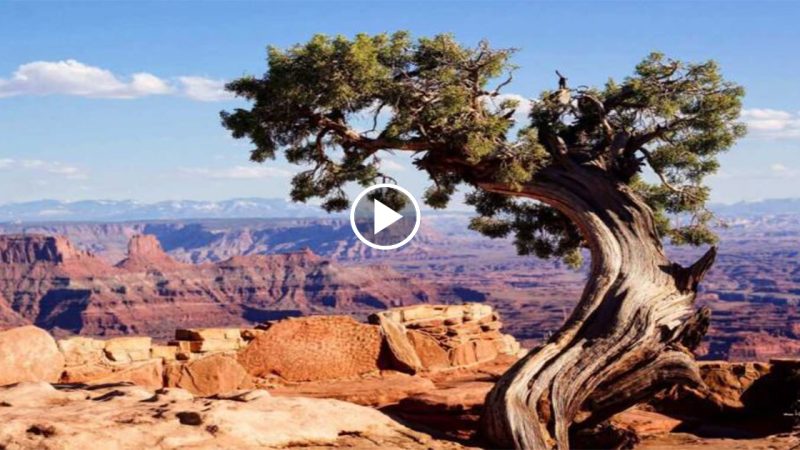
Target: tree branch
x,y
661,176
356,139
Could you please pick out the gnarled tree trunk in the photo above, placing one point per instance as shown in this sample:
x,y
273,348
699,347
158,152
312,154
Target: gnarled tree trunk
x,y
630,335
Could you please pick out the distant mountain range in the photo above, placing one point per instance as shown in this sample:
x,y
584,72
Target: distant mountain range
x,y
124,210
248,208
779,206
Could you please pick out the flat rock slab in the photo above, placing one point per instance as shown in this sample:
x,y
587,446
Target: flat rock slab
x,y
37,415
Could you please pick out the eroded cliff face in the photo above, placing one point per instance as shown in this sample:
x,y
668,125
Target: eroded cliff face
x,y
48,282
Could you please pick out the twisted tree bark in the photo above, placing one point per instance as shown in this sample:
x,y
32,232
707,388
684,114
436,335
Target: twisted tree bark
x,y
630,335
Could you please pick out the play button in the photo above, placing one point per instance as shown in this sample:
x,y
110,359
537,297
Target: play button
x,y
385,216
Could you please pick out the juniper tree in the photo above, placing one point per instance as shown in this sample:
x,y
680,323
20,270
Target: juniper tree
x,y
615,169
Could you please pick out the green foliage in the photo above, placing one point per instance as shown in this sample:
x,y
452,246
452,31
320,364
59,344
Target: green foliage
x,y
333,104
537,228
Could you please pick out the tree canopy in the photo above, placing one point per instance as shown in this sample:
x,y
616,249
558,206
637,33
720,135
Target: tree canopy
x,y
445,103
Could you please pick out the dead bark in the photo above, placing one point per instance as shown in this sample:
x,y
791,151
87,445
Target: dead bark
x,y
629,336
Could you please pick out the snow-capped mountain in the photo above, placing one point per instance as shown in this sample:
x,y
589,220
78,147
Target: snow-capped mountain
x,y
122,210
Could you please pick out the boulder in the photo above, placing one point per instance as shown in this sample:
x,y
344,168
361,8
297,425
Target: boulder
x,y
29,354
210,375
314,348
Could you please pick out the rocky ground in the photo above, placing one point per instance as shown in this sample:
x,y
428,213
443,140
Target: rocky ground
x,y
411,378
38,415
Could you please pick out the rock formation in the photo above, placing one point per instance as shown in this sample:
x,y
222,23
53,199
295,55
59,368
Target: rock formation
x,y
145,253
436,337
768,392
314,348
209,361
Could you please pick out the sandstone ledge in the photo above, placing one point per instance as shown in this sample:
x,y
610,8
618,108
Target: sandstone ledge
x,y
37,415
210,361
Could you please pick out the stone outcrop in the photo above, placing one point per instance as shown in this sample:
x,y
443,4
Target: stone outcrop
x,y
738,389
199,360
29,354
725,384
211,361
437,337
132,393
145,253
123,359
314,348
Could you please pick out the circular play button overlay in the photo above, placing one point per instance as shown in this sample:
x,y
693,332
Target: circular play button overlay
x,y
385,216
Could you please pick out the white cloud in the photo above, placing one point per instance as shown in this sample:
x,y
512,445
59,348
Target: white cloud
x,y
238,172
204,89
71,77
779,168
45,167
772,123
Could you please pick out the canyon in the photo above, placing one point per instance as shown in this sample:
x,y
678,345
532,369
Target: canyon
x,y
47,281
753,289
192,332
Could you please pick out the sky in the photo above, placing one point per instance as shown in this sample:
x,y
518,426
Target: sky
x,y
115,100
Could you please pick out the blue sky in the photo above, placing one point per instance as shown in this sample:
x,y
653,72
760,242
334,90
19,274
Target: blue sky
x,y
121,100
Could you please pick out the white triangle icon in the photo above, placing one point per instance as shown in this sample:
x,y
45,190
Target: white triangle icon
x,y
383,216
